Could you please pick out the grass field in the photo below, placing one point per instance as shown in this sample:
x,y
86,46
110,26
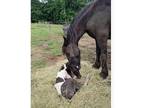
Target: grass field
x,y
46,44
47,58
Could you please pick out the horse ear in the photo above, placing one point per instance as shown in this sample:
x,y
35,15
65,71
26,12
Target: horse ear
x,y
63,50
64,45
64,38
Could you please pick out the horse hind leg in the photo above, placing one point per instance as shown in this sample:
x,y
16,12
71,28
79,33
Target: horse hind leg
x,y
97,62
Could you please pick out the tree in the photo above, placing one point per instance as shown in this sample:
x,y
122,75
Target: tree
x,y
35,11
56,11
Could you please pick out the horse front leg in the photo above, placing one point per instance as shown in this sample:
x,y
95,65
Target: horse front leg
x,y
104,71
98,51
102,42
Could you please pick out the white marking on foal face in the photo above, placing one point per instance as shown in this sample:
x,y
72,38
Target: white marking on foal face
x,y
63,74
65,67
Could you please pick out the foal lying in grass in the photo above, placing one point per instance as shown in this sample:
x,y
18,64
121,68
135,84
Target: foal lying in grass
x,y
65,84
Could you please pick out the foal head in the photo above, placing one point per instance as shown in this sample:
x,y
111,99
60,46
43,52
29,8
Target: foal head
x,y
72,53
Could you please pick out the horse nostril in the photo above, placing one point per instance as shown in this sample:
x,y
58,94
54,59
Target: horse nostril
x,y
79,76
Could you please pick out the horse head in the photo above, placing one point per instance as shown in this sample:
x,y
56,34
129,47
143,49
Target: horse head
x,y
72,53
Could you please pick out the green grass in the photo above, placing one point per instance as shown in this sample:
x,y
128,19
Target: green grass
x,y
55,47
42,32
46,40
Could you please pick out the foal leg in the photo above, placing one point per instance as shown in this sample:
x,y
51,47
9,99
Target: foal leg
x,y
97,63
102,42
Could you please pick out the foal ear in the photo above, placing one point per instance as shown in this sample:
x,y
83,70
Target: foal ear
x,y
77,86
62,67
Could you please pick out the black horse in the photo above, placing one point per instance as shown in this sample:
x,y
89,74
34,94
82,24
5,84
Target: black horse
x,y
95,20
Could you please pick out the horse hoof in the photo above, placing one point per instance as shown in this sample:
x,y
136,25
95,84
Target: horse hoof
x,y
104,75
96,65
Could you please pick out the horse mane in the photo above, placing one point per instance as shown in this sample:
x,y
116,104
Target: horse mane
x,y
71,35
79,14
80,18
85,10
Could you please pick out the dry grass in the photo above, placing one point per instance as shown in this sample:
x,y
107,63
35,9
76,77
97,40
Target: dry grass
x,y
96,94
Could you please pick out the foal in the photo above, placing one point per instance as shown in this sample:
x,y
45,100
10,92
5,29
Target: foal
x,y
65,85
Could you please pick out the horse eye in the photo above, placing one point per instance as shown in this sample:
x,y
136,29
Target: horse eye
x,y
68,54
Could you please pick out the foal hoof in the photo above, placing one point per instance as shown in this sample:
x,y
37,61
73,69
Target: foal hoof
x,y
96,65
104,75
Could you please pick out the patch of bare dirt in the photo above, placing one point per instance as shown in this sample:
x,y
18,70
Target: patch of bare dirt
x,y
40,54
56,58
86,45
88,50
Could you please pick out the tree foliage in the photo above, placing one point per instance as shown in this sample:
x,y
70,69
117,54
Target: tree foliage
x,y
55,11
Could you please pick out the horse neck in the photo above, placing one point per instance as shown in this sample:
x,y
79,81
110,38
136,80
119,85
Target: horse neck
x,y
78,25
75,32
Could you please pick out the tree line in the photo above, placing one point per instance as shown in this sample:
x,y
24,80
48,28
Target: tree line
x,y
55,11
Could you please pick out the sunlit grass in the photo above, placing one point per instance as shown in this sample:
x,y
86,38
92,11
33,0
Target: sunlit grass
x,y
46,40
42,32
